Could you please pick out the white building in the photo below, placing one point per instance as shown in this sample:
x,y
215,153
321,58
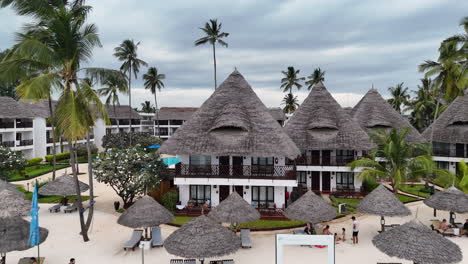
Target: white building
x,y
232,143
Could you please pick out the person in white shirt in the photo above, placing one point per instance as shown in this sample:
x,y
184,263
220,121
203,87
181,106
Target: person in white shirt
x,y
355,230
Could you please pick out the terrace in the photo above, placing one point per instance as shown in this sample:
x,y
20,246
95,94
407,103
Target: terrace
x,y
236,171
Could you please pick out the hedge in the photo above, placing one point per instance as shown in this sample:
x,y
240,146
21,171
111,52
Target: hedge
x,y
60,156
33,162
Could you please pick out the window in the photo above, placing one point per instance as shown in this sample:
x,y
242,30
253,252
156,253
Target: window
x,y
442,165
263,196
344,157
108,131
162,131
344,180
200,164
262,165
176,122
302,177
200,193
161,122
200,160
18,136
173,130
441,149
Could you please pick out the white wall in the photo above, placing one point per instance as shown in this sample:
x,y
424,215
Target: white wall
x,y
248,194
39,137
214,195
184,194
279,197
99,133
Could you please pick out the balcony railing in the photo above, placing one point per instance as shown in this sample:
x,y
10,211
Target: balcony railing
x,y
8,144
327,161
124,122
7,124
27,142
136,122
50,140
236,171
24,124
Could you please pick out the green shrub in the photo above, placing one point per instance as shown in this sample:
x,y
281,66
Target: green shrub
x,y
82,150
369,185
60,156
32,162
170,200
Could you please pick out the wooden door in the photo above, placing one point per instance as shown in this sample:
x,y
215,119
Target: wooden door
x,y
315,181
325,181
314,157
223,192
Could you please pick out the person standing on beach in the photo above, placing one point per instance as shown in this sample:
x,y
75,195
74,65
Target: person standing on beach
x,y
355,230
72,261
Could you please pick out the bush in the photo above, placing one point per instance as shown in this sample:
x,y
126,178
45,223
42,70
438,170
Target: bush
x,y
60,156
33,162
369,185
170,200
122,140
82,150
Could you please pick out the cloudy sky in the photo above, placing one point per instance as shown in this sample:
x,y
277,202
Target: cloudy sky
x,y
358,43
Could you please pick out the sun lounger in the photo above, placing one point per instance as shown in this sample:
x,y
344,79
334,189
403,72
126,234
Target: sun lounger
x,y
436,227
190,261
55,208
28,260
176,261
134,240
225,261
228,261
156,239
245,238
71,208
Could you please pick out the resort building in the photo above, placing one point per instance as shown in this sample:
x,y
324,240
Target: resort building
x,y
171,118
449,135
232,143
328,139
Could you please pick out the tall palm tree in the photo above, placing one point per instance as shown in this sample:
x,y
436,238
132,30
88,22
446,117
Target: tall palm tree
x,y
400,97
402,160
147,107
154,82
461,41
290,103
112,87
212,36
127,53
48,55
423,105
291,79
317,76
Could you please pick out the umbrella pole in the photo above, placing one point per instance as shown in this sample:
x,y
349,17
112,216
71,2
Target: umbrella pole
x,y
382,223
3,258
38,255
202,261
435,212
142,255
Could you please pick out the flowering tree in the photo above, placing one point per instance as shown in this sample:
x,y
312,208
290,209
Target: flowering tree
x,y
10,161
130,172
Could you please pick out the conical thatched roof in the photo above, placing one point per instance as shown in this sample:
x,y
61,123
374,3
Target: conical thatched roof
x,y
416,242
384,203
452,125
14,233
374,112
202,238
12,204
233,121
9,186
451,199
310,208
62,186
234,209
321,123
145,212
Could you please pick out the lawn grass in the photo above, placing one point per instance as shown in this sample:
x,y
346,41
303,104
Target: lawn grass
x,y
259,224
406,199
415,189
50,199
351,203
34,171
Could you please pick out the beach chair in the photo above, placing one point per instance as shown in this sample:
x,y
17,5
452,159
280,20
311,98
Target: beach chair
x,y
156,239
176,261
228,261
435,225
28,260
134,240
190,261
71,208
245,238
319,229
55,208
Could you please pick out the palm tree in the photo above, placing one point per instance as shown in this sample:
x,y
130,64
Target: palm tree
x,y
147,107
423,105
213,35
127,53
461,41
401,160
153,82
459,179
317,76
49,55
400,97
291,79
112,87
290,103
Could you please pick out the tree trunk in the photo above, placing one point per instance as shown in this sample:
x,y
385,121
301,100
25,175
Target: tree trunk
x,y
157,112
54,151
115,114
76,161
79,201
214,63
91,183
130,101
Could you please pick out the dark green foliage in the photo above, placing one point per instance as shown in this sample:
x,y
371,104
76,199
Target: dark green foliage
x,y
122,140
10,161
170,200
369,185
82,150
60,156
32,162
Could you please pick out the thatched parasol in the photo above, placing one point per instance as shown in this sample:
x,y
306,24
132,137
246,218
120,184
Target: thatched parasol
x,y
452,200
202,238
62,186
14,233
310,208
234,209
416,242
384,203
145,212
12,204
9,186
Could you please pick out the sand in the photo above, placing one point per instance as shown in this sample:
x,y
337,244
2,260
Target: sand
x,y
107,238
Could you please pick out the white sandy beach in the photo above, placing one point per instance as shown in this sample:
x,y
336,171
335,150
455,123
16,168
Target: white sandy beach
x,y
107,237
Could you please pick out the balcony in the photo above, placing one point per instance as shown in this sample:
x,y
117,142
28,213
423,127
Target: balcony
x,y
8,144
50,140
7,124
324,161
136,122
124,122
236,172
24,124
27,142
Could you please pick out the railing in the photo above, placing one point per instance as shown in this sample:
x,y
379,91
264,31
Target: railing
x,y
124,122
27,142
449,154
50,140
348,192
329,161
236,171
24,124
136,122
8,144
7,124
